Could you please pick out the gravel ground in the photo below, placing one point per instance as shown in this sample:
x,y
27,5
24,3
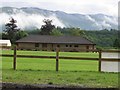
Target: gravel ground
x,y
13,86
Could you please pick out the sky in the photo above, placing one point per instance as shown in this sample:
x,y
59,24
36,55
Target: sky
x,y
108,7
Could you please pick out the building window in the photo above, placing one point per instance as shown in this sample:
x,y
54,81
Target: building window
x,y
70,45
75,45
44,45
66,45
36,44
58,45
87,47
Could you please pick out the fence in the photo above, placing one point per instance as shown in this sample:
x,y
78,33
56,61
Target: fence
x,y
57,57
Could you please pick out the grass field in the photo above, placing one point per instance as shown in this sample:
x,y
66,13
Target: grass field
x,y
42,71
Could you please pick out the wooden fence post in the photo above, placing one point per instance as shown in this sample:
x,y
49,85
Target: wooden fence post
x,y
14,60
57,59
99,67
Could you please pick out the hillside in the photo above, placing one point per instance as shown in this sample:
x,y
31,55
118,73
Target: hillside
x,y
103,38
29,18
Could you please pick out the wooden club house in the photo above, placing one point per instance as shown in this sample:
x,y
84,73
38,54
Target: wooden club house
x,y
49,43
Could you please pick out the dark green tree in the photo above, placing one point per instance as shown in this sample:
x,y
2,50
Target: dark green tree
x,y
11,30
76,32
56,32
47,28
0,35
21,34
116,43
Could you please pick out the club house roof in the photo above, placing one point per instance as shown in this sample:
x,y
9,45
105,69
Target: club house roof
x,y
55,39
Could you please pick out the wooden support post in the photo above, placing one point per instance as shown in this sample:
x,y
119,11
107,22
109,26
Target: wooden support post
x,y
99,67
57,59
14,60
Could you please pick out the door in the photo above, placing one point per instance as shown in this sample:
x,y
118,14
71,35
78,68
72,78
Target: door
x,y
44,46
87,48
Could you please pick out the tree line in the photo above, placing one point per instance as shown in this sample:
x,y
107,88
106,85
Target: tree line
x,y
102,38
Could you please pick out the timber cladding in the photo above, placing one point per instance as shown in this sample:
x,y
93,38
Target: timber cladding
x,y
49,43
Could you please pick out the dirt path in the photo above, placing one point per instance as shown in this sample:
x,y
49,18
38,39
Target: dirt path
x,y
13,86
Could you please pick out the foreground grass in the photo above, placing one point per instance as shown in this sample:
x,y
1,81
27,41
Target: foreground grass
x,y
71,72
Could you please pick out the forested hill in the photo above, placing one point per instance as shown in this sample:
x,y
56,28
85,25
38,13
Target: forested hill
x,y
29,18
103,38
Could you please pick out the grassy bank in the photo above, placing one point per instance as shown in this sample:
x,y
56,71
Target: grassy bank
x,y
71,72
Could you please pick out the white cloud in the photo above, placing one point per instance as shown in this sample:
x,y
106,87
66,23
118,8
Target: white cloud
x,y
105,24
109,7
111,20
4,19
29,21
89,18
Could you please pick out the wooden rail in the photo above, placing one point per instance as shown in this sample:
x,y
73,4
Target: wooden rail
x,y
57,57
62,57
